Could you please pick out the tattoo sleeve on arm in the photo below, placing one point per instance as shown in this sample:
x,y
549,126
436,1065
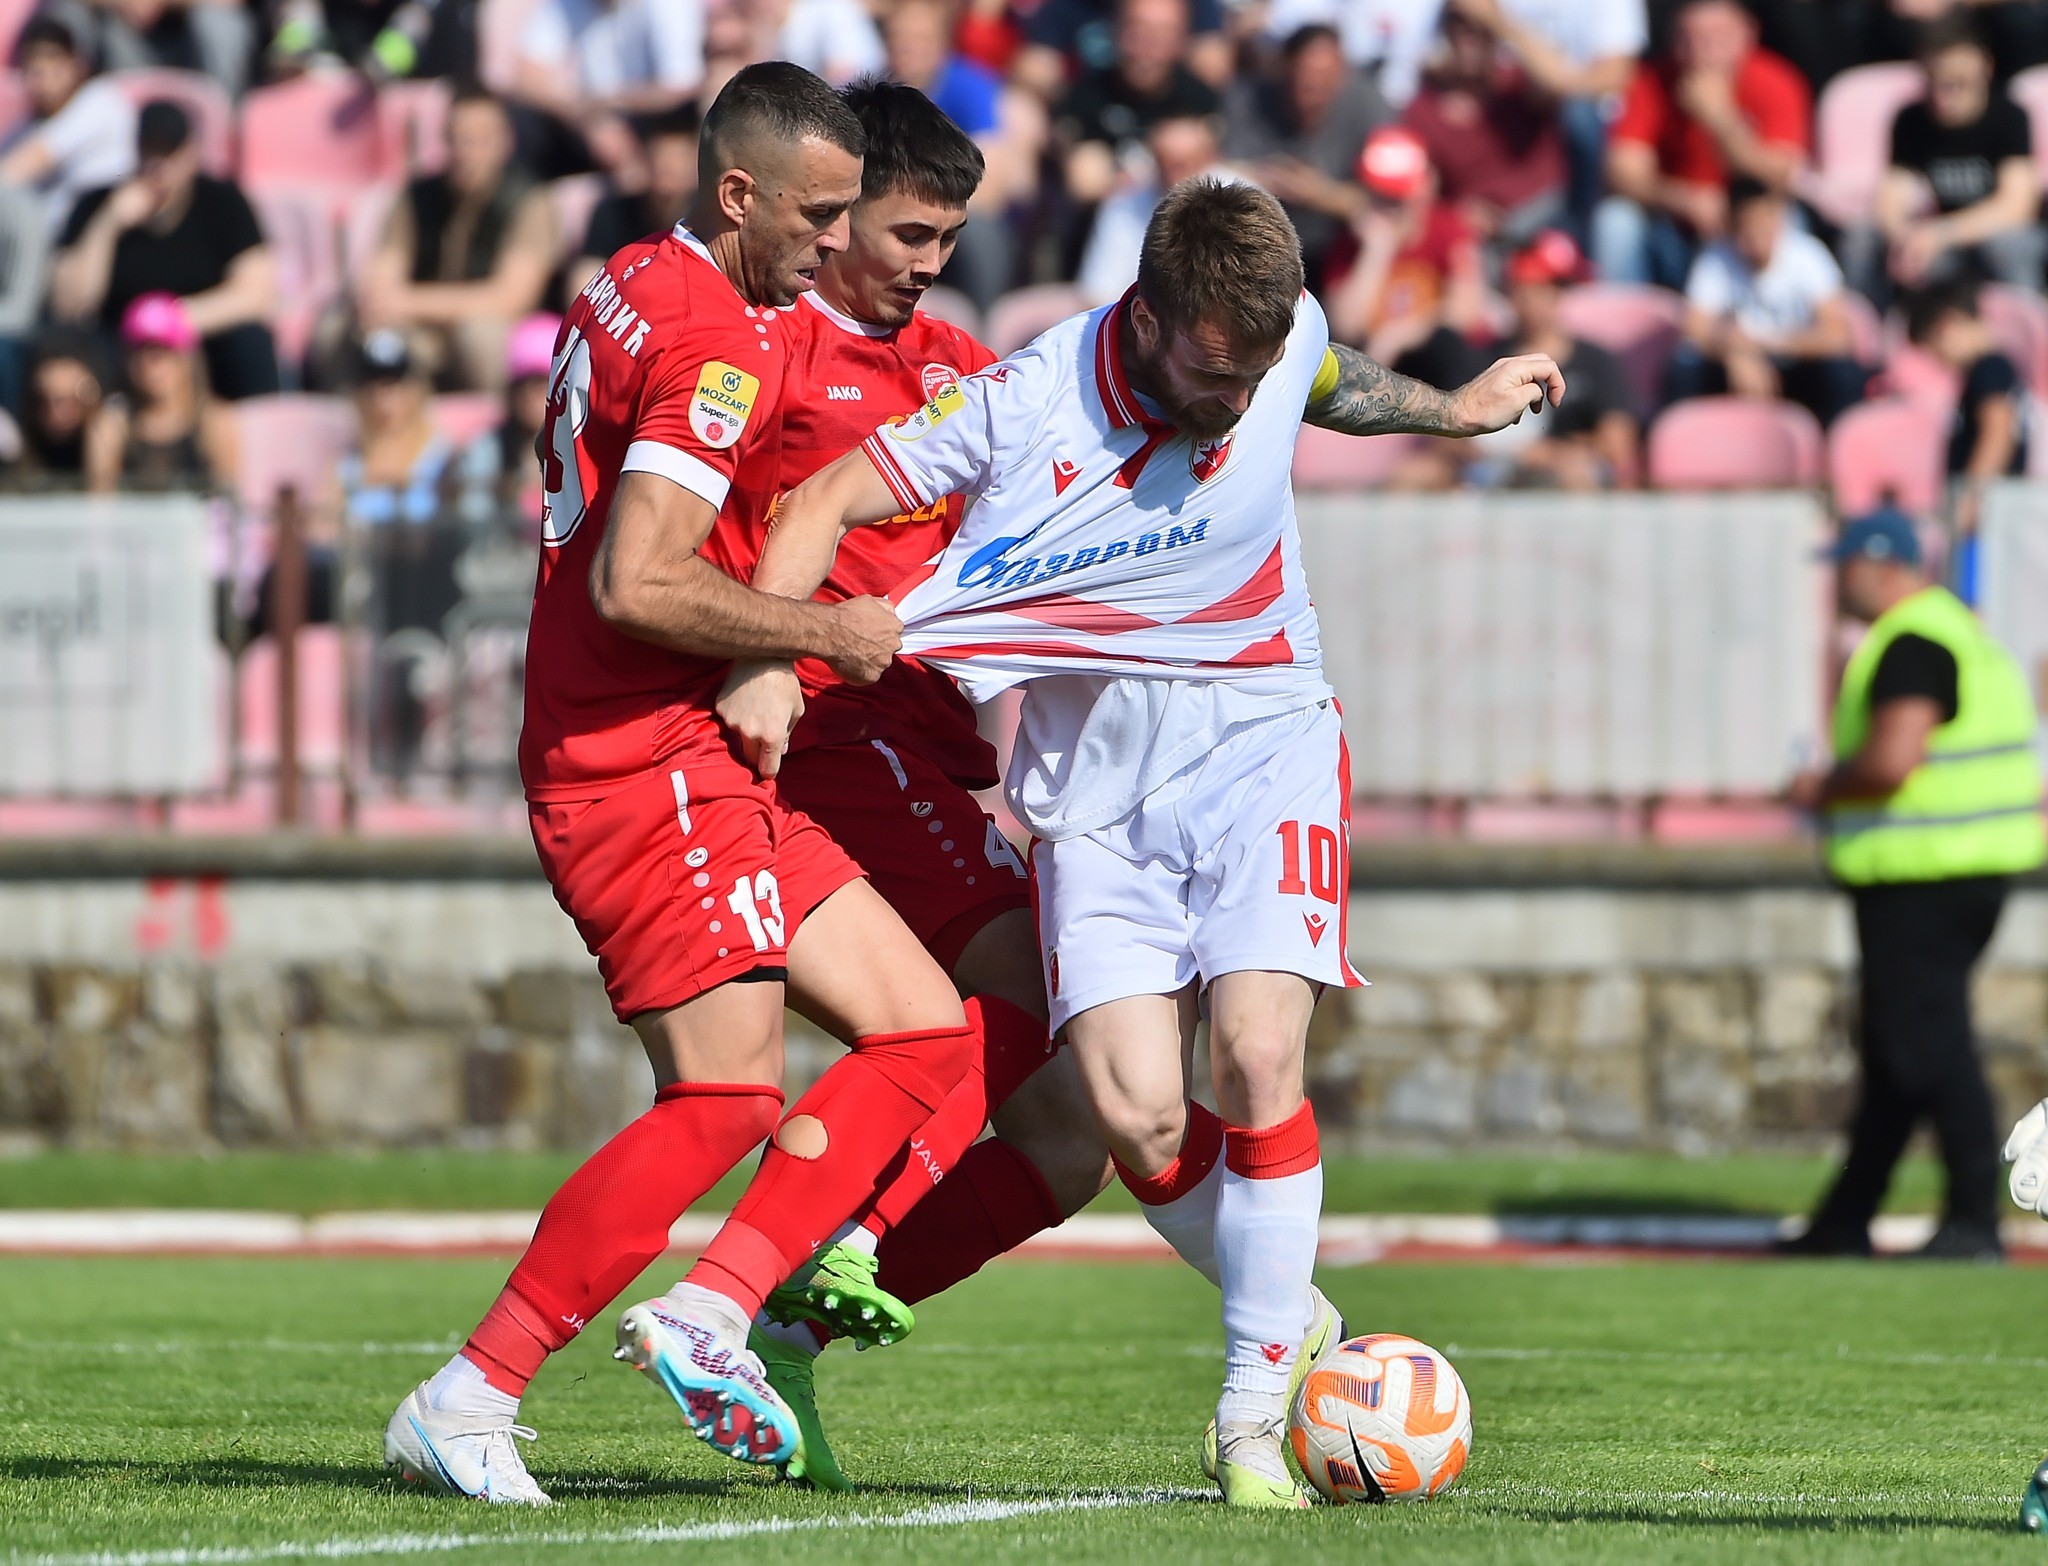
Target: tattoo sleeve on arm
x,y
1370,399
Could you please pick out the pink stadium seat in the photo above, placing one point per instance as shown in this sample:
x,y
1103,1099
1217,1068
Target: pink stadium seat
x,y
201,97
1635,322
322,130
952,307
13,101
2019,320
1852,137
2029,90
305,236
323,700
574,199
1324,459
415,128
498,26
1890,449
290,439
14,15
1919,377
1735,443
1018,317
461,417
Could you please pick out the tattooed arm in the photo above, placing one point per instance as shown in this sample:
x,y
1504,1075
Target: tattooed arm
x,y
1356,396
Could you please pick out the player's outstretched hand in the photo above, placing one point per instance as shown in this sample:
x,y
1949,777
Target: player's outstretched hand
x,y
869,634
2027,1151
761,702
1509,388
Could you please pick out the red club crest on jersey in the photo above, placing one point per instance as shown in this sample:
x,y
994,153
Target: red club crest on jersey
x,y
1207,457
936,378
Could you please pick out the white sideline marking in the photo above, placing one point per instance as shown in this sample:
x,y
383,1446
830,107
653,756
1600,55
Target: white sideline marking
x,y
1346,1239
952,1514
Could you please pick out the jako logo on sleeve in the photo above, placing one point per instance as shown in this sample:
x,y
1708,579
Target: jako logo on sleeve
x,y
991,566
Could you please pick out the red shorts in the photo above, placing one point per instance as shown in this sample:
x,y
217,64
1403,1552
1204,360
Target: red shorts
x,y
686,879
929,848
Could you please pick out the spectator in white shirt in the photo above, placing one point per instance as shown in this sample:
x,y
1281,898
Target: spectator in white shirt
x,y
1580,52
1180,148
589,64
81,133
1765,314
1390,40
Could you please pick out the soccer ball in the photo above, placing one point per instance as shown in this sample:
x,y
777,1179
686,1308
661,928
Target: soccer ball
x,y
1381,1418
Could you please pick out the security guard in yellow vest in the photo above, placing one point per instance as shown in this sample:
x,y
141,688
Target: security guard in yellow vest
x,y
1933,803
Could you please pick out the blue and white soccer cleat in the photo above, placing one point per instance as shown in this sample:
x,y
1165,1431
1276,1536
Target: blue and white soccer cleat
x,y
463,1454
715,1380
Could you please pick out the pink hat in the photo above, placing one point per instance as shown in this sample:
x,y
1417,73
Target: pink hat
x,y
532,348
158,321
1394,163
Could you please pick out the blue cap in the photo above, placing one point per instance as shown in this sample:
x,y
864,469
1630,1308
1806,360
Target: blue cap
x,y
1885,534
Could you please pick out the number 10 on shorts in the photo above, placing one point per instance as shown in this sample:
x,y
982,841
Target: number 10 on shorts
x,y
1324,860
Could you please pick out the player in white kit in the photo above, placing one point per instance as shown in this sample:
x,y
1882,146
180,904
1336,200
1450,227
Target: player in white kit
x,y
1130,556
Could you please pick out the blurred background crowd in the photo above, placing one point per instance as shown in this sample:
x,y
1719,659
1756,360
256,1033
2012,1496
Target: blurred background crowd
x,y
315,248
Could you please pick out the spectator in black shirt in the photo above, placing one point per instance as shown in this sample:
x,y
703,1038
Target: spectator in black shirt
x,y
1988,431
172,229
1102,121
670,156
1591,442
1961,192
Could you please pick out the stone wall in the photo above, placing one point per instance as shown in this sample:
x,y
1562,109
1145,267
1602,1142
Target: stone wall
x,y
401,997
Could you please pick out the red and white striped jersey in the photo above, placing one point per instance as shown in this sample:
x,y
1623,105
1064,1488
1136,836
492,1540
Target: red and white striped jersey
x,y
1099,540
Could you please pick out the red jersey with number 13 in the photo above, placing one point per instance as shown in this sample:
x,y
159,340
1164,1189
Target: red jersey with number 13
x,y
661,367
844,378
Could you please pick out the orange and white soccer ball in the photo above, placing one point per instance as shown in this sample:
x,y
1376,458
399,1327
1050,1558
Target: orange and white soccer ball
x,y
1381,1418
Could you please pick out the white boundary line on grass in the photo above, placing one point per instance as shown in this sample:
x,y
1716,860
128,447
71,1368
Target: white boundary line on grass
x,y
952,1514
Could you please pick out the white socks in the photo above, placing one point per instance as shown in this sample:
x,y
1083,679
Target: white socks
x,y
458,1387
1265,1257
1188,1222
694,1297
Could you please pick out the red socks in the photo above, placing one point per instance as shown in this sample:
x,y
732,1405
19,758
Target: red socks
x,y
612,1218
1013,1046
1273,1152
993,1201
825,1156
1199,1150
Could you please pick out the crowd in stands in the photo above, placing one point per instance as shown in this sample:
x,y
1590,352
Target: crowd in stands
x,y
1806,204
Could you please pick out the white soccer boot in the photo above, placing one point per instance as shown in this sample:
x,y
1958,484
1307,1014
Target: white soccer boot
x,y
1326,1330
466,1454
1251,1469
688,1348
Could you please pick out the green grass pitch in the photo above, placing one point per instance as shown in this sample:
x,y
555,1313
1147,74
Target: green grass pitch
x,y
190,1412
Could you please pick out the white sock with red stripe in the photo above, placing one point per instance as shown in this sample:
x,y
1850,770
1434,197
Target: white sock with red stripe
x,y
1266,1211
1180,1201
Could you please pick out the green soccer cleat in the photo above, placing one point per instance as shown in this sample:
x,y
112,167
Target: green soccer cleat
x,y
2034,1504
1251,1469
839,1293
789,1371
1326,1330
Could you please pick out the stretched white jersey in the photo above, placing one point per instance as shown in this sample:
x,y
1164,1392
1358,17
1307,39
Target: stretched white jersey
x,y
1098,539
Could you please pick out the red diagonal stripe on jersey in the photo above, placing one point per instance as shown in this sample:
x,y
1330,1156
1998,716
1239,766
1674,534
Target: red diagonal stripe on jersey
x,y
1017,649
885,463
912,582
1134,464
1274,649
1254,598
1080,614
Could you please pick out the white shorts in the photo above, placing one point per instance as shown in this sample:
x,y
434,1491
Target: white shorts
x,y
1241,862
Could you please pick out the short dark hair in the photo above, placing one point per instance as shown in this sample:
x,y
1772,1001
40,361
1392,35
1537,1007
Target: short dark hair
x,y
1745,188
1222,252
1298,41
470,90
1925,309
1953,29
47,31
912,145
682,120
161,128
782,101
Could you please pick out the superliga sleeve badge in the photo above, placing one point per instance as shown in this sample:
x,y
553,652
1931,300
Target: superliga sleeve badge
x,y
942,405
722,403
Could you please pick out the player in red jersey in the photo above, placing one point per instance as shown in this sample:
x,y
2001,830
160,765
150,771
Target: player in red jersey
x,y
887,769
696,888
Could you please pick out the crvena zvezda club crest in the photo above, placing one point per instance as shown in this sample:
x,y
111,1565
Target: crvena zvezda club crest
x,y
1206,460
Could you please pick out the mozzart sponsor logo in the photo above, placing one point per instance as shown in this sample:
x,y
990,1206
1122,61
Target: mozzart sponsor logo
x,y
999,564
